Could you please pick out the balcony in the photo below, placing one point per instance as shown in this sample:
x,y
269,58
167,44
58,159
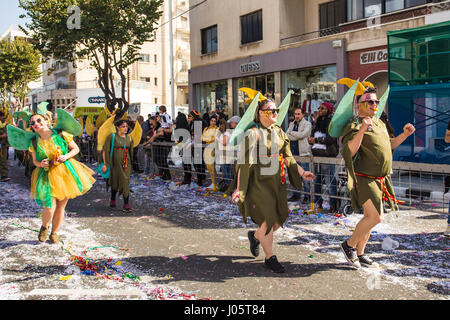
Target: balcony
x,y
374,21
181,79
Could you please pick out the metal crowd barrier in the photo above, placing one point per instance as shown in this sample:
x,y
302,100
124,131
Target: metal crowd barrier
x,y
419,185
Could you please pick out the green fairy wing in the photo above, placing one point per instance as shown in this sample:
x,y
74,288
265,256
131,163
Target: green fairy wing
x,y
246,122
67,123
284,107
42,108
383,101
343,113
19,139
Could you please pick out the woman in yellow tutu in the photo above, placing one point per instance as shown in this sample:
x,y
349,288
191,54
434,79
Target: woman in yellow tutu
x,y
57,177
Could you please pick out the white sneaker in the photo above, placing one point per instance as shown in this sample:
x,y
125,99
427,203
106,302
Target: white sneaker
x,y
211,187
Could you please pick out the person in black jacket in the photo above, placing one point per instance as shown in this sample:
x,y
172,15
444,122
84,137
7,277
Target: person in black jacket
x,y
323,145
194,121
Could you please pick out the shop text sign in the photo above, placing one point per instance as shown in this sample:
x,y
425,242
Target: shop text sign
x,y
99,100
373,56
251,67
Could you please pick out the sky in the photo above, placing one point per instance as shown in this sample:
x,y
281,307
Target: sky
x,y
9,14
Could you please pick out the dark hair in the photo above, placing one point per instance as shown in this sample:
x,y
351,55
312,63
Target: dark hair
x,y
368,90
181,122
162,108
223,125
118,123
261,105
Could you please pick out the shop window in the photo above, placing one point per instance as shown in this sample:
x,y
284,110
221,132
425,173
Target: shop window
x,y
251,27
209,40
212,96
262,83
317,83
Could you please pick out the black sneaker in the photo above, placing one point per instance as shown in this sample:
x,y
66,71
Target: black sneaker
x,y
350,255
5,179
365,261
254,243
274,265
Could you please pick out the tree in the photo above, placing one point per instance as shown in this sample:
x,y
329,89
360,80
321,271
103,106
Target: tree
x,y
19,65
107,33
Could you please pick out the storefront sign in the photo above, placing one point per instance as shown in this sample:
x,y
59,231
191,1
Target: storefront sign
x,y
98,100
374,56
251,67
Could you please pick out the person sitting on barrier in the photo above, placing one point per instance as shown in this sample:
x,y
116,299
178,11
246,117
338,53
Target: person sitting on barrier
x,y
367,151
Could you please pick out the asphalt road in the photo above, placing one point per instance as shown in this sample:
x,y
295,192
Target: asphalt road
x,y
188,244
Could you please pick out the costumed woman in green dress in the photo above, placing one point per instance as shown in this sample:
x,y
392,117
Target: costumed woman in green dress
x,y
367,151
57,177
121,161
260,183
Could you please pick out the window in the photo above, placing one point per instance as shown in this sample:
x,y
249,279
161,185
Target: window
x,y
156,100
146,79
144,58
209,40
412,3
359,9
392,5
156,81
372,8
155,58
251,27
331,14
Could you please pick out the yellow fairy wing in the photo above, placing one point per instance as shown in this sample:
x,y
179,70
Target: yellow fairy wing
x,y
251,94
136,134
105,130
81,122
89,127
349,83
101,119
368,84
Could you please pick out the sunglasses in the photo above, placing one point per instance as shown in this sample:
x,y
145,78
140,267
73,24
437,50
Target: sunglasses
x,y
32,123
268,112
372,102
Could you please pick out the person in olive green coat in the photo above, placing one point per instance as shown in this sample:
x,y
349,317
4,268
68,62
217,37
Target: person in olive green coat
x,y
367,151
120,164
261,180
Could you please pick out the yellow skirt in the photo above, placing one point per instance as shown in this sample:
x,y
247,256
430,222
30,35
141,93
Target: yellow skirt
x,y
62,183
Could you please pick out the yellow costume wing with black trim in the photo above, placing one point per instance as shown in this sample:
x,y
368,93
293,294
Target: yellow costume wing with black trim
x,y
104,132
136,134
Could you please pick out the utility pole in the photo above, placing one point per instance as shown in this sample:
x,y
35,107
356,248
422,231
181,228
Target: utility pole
x,y
172,84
